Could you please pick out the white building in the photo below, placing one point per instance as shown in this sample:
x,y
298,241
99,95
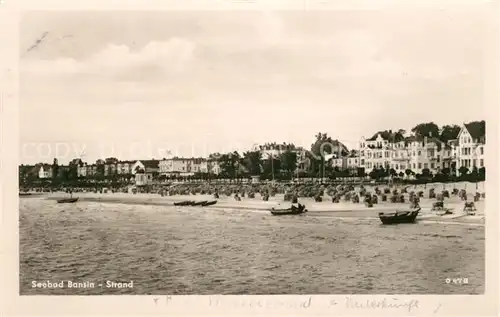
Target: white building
x,y
470,151
188,166
146,166
45,171
142,179
82,170
124,167
413,153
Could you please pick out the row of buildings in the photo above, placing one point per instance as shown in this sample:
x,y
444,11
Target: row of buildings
x,y
381,150
175,165
419,153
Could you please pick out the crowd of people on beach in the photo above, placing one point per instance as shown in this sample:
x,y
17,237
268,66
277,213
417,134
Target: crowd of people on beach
x,y
354,193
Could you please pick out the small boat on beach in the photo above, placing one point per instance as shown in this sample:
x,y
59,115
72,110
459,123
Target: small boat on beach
x,y
184,203
400,216
292,210
209,203
67,200
198,203
447,211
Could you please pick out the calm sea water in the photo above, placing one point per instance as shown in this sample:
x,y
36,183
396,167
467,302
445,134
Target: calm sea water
x,y
182,250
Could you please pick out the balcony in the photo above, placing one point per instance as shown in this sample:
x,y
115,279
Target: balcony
x,y
399,159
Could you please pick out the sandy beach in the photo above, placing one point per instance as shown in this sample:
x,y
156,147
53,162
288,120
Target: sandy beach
x,y
342,209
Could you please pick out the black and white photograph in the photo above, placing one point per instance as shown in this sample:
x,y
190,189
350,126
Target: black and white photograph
x,y
253,152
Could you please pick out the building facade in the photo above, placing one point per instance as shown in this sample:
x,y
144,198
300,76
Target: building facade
x,y
124,167
412,153
470,151
45,171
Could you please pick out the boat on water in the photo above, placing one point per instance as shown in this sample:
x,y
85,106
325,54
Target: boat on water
x,y
292,210
67,200
209,203
25,194
400,216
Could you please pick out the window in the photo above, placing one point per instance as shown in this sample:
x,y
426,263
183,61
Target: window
x,y
362,161
413,165
481,162
432,165
419,165
474,162
481,149
419,153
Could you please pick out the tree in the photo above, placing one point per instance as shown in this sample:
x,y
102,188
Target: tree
x,y
482,174
382,172
72,171
289,162
100,169
446,171
323,145
373,174
229,164
449,132
426,173
401,174
463,170
55,169
271,167
429,129
408,172
252,161
111,160
474,174
393,172
361,172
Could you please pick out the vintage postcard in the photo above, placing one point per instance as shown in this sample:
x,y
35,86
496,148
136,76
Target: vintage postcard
x,y
336,156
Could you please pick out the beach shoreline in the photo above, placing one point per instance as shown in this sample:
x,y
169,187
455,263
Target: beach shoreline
x,y
320,209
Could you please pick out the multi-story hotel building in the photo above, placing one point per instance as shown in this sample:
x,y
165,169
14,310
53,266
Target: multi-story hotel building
x,y
413,153
124,167
470,150
188,166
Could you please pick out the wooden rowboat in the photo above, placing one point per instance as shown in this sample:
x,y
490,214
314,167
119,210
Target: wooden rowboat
x,y
209,203
400,216
67,200
184,203
293,210
198,203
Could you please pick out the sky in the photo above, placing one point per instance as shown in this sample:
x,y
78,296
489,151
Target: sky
x,y
142,85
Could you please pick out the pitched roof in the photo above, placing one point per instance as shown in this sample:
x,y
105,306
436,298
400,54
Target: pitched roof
x,y
383,135
387,136
151,163
477,129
